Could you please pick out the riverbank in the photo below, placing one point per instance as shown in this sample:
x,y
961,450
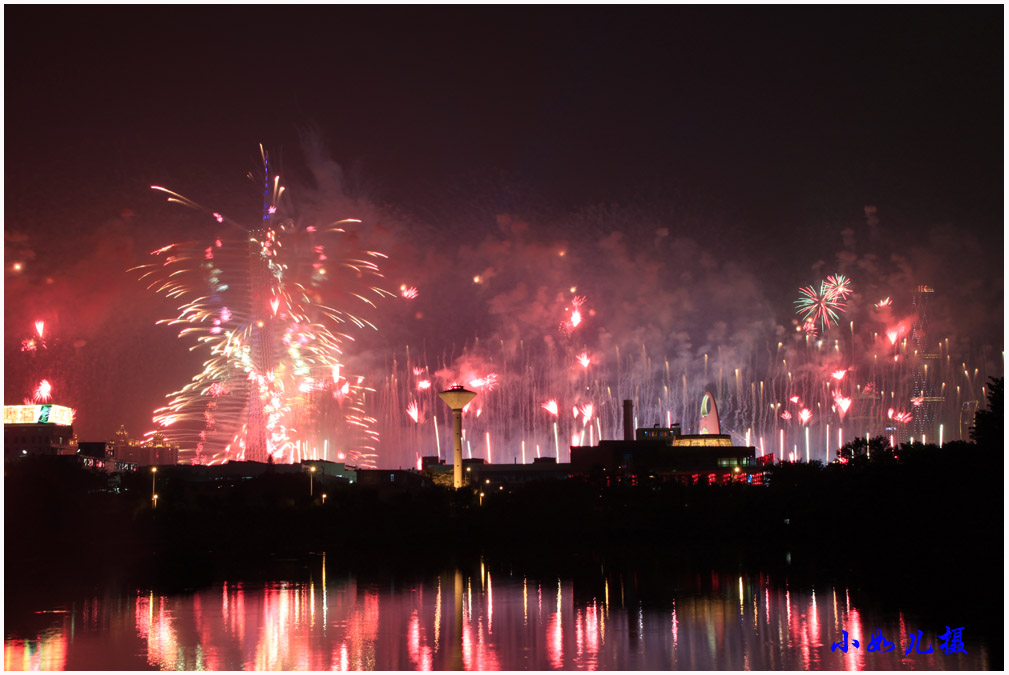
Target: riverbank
x,y
924,531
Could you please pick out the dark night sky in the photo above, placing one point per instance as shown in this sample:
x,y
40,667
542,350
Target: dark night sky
x,y
771,127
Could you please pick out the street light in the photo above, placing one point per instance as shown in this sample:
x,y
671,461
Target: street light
x,y
323,497
154,477
311,480
457,398
154,498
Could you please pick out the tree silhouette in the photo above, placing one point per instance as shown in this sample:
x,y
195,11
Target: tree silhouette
x,y
858,450
989,424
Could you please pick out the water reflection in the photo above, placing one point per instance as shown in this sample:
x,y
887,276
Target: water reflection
x,y
475,619
47,651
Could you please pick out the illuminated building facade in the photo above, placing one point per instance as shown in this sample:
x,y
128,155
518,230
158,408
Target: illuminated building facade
x,y
665,434
38,430
155,452
92,455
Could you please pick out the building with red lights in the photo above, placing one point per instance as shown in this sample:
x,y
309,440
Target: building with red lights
x,y
665,454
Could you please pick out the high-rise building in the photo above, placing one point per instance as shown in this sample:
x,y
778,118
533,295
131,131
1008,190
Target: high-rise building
x,y
156,451
925,397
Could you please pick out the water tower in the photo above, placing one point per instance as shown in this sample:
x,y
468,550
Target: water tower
x,y
456,398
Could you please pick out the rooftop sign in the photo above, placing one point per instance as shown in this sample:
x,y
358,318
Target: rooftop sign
x,y
38,414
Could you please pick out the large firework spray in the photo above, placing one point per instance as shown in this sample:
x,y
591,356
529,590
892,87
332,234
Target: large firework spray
x,y
266,303
823,307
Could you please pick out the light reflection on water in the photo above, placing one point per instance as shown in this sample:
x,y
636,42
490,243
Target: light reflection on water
x,y
474,620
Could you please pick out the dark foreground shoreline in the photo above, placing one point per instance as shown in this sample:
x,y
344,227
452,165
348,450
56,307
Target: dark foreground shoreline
x,y
925,533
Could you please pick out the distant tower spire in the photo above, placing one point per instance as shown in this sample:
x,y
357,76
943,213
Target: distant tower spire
x,y
257,448
926,369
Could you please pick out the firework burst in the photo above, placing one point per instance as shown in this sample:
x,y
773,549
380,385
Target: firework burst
x,y
841,404
575,319
836,286
43,392
266,304
820,307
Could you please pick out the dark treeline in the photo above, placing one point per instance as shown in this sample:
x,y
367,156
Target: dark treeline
x,y
914,498
919,503
909,499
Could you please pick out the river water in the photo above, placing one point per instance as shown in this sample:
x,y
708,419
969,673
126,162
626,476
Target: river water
x,y
476,618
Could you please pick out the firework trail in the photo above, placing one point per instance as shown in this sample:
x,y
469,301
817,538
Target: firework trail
x,y
266,303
